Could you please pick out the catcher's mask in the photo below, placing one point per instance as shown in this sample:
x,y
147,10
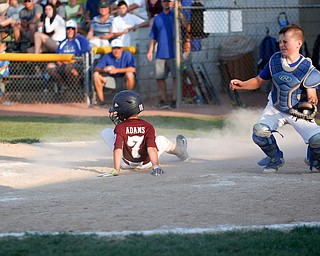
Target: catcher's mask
x,y
124,105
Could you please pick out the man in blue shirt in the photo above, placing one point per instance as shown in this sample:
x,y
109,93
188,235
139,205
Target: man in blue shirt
x,y
115,70
163,33
73,44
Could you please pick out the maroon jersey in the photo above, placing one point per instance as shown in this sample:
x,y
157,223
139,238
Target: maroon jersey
x,y
134,136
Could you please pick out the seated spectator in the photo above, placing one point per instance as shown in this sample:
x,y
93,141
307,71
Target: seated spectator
x,y
4,66
64,2
73,44
114,7
41,2
74,11
29,18
154,7
126,22
59,7
115,70
138,7
101,27
12,15
4,5
48,37
91,10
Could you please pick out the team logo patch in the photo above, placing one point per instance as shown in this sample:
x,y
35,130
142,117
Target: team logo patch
x,y
286,79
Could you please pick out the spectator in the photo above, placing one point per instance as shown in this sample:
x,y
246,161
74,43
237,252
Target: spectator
x,y
92,10
75,11
52,33
163,33
4,5
4,66
114,70
59,7
12,15
64,2
101,27
114,7
126,22
41,2
138,7
153,7
29,18
73,44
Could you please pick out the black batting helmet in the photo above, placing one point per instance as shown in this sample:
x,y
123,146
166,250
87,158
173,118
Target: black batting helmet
x,y
124,105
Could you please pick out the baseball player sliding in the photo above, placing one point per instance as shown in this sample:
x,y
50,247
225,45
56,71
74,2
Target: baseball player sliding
x,y
133,141
295,80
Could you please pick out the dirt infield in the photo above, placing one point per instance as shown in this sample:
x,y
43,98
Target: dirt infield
x,y
54,186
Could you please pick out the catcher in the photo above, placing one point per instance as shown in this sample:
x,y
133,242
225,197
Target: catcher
x,y
292,100
133,141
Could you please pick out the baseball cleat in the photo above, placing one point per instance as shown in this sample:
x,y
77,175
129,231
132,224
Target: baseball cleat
x,y
273,166
315,165
264,161
181,143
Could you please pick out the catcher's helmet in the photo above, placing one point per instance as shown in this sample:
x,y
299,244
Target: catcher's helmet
x,y
124,105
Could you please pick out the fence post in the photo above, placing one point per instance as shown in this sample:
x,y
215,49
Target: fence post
x,y
178,52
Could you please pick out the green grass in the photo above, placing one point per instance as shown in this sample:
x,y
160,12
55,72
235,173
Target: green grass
x,y
299,241
64,129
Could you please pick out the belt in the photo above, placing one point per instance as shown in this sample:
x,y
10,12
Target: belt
x,y
134,163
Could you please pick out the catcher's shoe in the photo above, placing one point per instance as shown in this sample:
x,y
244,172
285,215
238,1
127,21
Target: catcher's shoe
x,y
273,165
264,161
181,147
316,164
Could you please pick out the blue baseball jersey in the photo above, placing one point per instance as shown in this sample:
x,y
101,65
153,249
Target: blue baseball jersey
x,y
125,61
77,46
164,33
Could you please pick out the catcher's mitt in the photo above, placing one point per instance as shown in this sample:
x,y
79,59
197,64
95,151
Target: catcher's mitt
x,y
305,110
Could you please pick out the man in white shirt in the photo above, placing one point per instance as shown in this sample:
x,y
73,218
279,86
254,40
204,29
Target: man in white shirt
x,y
138,7
126,22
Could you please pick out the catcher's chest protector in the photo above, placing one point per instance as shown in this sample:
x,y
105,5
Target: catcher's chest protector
x,y
287,81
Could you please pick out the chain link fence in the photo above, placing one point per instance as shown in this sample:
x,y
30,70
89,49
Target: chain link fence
x,y
222,42
229,40
33,81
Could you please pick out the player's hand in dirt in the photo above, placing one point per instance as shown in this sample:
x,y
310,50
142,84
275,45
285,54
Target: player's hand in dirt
x,y
156,171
